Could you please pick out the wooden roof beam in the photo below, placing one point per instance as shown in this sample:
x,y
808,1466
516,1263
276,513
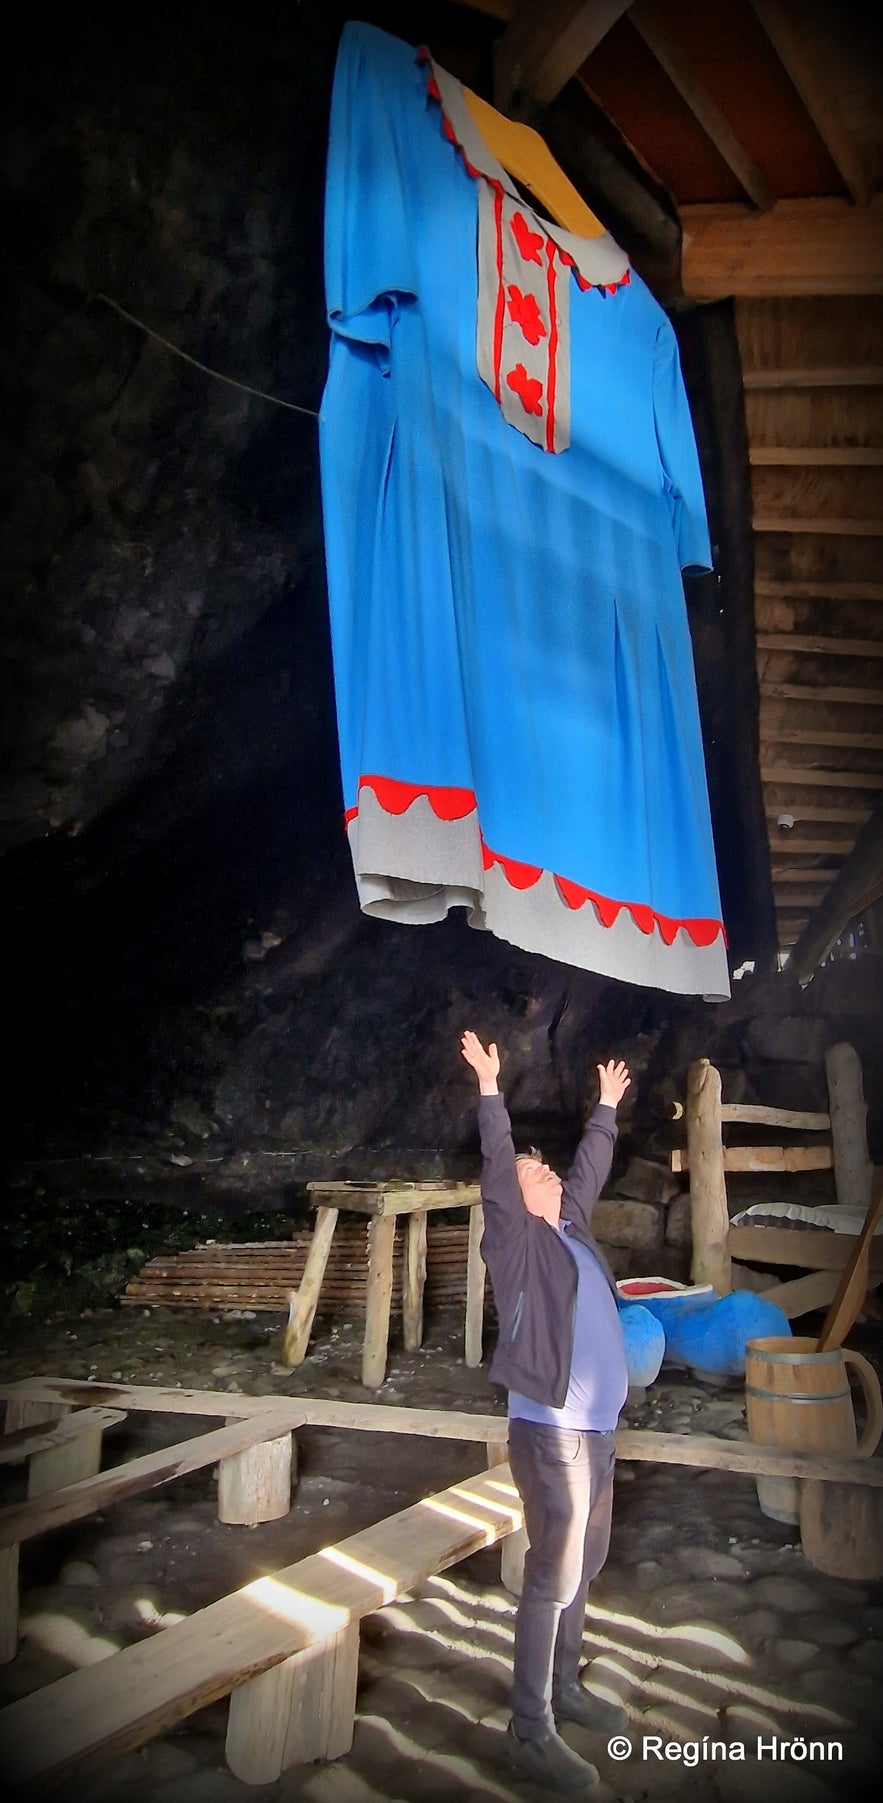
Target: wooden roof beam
x,y
859,883
543,46
786,31
643,16
798,247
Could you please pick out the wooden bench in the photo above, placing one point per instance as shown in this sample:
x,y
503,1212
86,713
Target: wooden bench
x,y
841,1148
254,1484
285,1647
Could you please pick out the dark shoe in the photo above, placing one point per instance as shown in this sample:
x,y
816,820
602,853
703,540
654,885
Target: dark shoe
x,y
549,1761
576,1704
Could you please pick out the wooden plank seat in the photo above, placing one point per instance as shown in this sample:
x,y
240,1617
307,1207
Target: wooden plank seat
x,y
286,1646
254,1485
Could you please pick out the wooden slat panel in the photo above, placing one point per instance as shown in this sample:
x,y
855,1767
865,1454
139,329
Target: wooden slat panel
x,y
798,641
842,417
843,375
830,456
770,522
818,590
811,332
795,691
804,809
782,845
797,735
787,775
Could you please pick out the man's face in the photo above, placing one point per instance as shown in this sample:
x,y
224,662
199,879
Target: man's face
x,y
540,1188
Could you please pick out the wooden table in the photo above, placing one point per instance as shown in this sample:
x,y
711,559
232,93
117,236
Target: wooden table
x,y
383,1203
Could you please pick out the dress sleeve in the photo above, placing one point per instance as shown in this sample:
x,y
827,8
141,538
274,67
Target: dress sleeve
x,y
369,247
591,1165
678,455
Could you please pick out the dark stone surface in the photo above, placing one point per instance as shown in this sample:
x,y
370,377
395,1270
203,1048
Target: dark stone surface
x,y
185,959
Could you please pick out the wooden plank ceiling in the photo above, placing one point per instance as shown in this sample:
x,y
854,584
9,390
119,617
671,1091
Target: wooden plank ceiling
x,y
761,122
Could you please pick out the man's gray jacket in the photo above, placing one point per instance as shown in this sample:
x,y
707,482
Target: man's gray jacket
x,y
533,1275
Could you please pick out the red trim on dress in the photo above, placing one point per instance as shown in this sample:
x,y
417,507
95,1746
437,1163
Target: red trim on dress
x,y
456,804
551,385
499,310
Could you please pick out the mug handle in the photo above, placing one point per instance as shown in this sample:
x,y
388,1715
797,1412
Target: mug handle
x,y
870,1384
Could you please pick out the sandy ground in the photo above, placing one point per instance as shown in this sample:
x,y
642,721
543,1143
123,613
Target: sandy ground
x,y
707,1620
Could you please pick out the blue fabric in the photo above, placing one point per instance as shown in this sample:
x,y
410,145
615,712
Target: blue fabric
x,y
712,1336
644,1339
504,620
598,1371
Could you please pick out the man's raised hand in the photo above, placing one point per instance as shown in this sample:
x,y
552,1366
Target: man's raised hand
x,y
614,1080
486,1064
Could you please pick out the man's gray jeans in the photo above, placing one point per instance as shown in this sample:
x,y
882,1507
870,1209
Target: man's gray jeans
x,y
565,1480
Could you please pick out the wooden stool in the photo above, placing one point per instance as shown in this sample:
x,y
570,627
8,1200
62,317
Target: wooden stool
x,y
383,1203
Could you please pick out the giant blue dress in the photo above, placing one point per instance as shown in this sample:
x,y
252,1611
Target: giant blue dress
x,y
511,490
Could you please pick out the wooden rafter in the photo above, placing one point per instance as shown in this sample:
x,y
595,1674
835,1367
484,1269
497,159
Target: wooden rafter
x,y
644,17
543,46
806,810
790,774
787,34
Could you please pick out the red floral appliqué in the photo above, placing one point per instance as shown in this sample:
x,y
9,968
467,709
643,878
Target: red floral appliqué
x,y
527,388
524,311
530,244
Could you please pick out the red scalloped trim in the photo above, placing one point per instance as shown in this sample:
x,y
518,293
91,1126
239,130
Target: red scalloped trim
x,y
434,92
456,804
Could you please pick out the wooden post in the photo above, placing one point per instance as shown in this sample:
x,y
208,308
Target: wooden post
x,y
475,1280
255,1485
853,1170
8,1603
300,1710
378,1296
414,1280
708,1191
302,1303
65,1464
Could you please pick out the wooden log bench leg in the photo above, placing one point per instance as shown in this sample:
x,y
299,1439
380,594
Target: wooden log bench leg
x,y
514,1547
74,1459
302,1303
301,1710
381,1239
255,1485
8,1603
414,1281
475,1280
